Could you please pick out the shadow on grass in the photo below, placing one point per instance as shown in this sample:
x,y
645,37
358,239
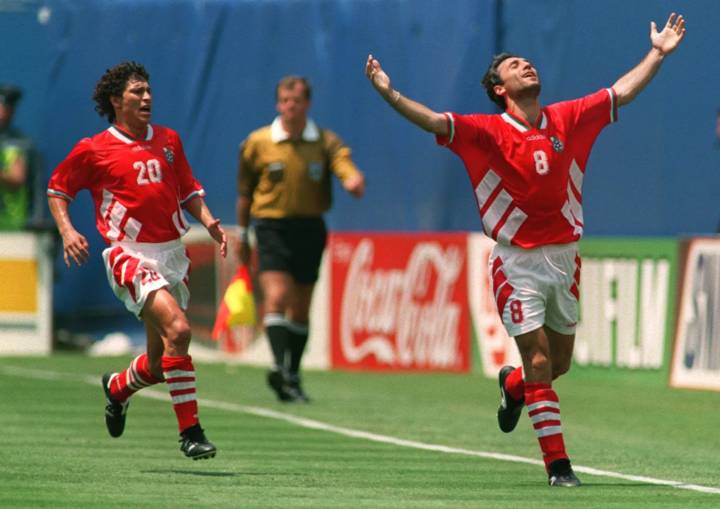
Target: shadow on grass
x,y
201,473
193,472
590,485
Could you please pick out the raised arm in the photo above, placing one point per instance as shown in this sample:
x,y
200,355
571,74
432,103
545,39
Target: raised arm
x,y
417,113
663,43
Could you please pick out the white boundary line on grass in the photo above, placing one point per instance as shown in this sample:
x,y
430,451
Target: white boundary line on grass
x,y
353,433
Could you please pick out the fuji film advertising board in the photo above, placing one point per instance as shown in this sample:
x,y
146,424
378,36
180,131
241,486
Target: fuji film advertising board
x,y
399,302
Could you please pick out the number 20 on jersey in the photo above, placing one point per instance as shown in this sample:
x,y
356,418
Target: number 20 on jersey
x,y
149,172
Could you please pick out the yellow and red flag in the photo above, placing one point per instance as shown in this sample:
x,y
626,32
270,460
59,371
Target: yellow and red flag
x,y
237,306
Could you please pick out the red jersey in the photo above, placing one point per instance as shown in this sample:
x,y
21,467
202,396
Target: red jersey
x,y
528,179
138,186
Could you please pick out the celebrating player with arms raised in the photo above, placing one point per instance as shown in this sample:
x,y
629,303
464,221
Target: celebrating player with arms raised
x,y
527,167
140,181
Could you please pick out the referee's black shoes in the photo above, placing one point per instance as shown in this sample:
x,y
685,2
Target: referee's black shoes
x,y
276,381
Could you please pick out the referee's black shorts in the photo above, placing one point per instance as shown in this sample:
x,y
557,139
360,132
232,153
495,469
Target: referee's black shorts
x,y
294,245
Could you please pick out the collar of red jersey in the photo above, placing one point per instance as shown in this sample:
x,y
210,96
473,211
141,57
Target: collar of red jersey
x,y
125,138
522,126
278,133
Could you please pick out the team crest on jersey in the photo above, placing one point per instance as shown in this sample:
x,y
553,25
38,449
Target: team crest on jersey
x,y
557,144
315,169
169,156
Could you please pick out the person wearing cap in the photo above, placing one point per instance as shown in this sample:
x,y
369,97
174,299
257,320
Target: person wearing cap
x,y
14,164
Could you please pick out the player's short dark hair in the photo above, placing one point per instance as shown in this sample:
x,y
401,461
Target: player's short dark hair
x,y
492,78
290,82
113,83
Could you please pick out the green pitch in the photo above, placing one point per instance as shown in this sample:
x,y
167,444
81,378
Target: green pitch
x,y
428,442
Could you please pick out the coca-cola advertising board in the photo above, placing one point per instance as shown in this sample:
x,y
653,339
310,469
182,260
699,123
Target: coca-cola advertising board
x,y
495,346
399,302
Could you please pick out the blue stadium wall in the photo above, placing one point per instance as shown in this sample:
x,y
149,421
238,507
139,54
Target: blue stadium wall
x,y
214,65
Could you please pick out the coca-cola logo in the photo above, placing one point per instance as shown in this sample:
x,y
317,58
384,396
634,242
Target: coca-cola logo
x,y
406,316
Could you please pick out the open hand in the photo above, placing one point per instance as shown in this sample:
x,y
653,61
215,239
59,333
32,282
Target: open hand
x,y
218,235
672,33
75,247
379,79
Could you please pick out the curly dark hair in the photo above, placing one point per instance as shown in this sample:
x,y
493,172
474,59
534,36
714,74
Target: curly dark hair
x,y
113,83
492,78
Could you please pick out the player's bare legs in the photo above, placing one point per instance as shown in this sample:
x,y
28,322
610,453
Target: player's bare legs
x,y
561,351
165,320
144,370
538,350
155,349
163,315
534,350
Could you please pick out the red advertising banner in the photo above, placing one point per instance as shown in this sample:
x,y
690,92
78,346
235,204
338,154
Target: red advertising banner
x,y
399,302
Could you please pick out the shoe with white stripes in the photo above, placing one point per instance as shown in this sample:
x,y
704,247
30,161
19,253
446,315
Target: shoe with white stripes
x,y
561,474
194,444
114,410
508,413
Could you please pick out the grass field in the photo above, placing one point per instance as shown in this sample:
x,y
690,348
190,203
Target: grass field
x,y
428,441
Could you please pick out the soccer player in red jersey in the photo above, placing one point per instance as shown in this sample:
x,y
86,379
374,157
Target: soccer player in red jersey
x,y
526,167
140,182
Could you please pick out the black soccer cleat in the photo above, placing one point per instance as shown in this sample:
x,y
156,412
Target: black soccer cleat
x,y
295,390
114,410
509,410
194,444
561,474
276,381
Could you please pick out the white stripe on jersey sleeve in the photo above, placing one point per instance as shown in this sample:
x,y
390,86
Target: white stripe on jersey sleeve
x,y
612,104
199,192
451,123
59,194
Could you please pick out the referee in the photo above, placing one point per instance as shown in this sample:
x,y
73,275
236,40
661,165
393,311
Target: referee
x,y
284,183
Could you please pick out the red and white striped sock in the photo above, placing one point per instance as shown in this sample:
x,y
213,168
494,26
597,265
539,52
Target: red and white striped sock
x,y
515,385
544,412
137,376
180,377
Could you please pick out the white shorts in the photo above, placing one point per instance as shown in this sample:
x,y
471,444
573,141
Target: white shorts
x,y
536,287
136,269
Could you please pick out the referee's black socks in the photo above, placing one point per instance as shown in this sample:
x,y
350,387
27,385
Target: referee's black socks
x,y
297,340
277,333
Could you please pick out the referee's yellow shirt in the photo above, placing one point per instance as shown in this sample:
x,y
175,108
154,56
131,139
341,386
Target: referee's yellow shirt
x,y
291,178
